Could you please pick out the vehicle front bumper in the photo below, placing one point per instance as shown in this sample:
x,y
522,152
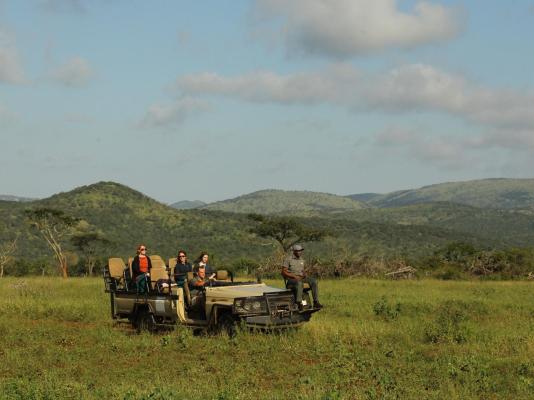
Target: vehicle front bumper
x,y
279,320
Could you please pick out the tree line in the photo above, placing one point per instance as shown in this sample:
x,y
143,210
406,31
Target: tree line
x,y
456,260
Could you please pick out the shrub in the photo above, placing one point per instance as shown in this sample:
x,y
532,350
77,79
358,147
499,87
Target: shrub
x,y
386,311
449,323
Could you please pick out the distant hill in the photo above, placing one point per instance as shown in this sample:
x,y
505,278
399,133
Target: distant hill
x,y
500,193
507,227
299,203
7,197
127,218
187,204
365,197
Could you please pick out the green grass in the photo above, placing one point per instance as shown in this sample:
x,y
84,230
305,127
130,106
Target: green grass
x,y
374,340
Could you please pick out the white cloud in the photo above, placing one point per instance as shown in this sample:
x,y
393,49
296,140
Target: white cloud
x,y
446,151
10,68
522,139
173,114
331,84
422,87
417,87
344,28
76,72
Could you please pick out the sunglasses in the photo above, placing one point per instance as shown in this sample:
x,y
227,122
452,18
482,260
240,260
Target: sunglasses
x,y
143,249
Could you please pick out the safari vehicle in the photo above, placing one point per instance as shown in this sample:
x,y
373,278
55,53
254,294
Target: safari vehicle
x,y
225,303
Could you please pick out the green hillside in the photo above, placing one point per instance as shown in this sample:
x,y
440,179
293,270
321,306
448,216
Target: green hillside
x,y
187,204
495,227
487,193
8,197
301,203
126,218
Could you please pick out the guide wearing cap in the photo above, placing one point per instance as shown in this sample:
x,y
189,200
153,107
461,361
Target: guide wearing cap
x,y
293,272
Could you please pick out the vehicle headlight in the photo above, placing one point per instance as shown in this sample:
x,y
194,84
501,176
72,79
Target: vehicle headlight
x,y
253,305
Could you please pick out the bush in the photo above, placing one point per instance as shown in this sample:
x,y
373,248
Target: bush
x,y
449,323
386,311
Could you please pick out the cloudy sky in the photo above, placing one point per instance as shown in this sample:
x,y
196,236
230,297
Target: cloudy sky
x,y
213,99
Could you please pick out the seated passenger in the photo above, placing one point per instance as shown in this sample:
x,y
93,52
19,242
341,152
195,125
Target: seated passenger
x,y
141,266
196,286
182,268
203,259
293,272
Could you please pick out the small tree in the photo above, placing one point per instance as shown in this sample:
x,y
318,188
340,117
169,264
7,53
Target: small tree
x,y
7,249
89,244
286,231
53,225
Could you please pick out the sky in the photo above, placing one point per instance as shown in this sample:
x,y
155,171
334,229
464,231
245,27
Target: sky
x,y
210,100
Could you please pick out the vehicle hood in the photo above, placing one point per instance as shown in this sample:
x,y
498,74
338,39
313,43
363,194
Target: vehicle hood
x,y
233,292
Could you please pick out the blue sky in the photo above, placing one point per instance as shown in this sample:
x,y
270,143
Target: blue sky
x,y
214,99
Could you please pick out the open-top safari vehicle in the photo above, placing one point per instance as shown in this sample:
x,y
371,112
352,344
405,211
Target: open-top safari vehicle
x,y
224,304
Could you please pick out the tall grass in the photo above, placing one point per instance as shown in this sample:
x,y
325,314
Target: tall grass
x,y
374,340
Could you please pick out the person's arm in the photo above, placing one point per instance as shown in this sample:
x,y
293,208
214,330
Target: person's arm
x,y
197,283
135,267
288,275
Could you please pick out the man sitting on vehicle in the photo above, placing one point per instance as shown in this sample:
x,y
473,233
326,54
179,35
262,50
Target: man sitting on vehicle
x,y
196,286
293,272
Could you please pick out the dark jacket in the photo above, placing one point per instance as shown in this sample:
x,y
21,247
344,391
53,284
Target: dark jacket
x,y
180,272
135,267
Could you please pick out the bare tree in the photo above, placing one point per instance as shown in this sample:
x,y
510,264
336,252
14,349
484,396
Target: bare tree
x,y
54,226
7,249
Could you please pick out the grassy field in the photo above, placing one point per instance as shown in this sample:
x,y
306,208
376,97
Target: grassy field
x,y
374,340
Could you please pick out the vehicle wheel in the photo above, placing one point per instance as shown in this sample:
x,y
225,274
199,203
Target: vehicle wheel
x,y
145,322
227,324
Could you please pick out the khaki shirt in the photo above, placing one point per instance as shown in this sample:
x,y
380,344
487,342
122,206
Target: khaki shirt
x,y
294,265
195,280
197,289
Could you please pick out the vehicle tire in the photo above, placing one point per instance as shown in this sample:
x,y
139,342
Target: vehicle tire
x,y
227,325
145,322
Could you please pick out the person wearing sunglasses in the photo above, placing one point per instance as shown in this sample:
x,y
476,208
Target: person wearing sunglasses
x,y
141,266
182,268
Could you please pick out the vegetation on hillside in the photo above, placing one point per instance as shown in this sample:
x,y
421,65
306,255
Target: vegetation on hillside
x,y
486,193
121,218
187,204
295,203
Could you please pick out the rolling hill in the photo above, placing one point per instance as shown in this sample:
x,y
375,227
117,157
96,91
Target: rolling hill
x,y
187,204
127,217
8,197
298,203
501,193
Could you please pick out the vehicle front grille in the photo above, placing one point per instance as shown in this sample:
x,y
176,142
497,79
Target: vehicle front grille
x,y
284,302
